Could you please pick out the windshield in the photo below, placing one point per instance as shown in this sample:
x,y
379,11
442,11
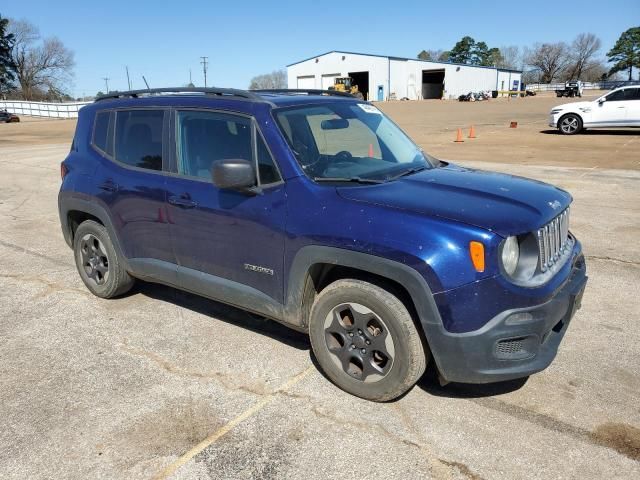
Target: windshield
x,y
347,141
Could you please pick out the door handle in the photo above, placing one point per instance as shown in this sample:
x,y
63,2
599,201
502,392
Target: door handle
x,y
108,186
182,201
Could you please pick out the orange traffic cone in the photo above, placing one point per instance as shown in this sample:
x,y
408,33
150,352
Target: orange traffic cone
x,y
472,132
459,137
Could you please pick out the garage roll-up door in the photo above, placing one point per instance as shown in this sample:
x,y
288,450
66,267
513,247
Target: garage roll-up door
x,y
308,82
328,80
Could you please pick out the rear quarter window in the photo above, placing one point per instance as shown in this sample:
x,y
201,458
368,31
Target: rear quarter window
x,y
101,131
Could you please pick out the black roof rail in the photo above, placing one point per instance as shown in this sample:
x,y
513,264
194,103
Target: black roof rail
x,y
307,91
230,92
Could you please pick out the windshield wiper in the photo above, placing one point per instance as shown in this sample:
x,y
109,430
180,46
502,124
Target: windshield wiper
x,y
347,179
406,172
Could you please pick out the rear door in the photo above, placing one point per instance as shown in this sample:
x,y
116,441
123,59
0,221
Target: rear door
x,y
132,184
226,234
633,107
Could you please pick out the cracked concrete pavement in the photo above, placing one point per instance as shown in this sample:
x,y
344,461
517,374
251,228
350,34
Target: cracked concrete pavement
x,y
93,388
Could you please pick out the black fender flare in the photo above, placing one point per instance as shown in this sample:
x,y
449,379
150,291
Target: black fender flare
x,y
415,284
68,203
406,276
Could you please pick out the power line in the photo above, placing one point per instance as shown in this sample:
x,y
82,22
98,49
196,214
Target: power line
x,y
204,69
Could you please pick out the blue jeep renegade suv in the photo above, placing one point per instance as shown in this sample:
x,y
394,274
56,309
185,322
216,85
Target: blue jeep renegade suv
x,y
315,210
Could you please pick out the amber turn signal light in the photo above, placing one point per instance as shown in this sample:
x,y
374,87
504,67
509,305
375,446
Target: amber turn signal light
x,y
476,251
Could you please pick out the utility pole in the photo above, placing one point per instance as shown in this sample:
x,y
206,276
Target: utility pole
x,y
204,69
106,83
128,79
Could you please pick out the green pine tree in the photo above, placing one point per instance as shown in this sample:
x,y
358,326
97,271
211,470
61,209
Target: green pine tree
x,y
7,66
462,52
625,54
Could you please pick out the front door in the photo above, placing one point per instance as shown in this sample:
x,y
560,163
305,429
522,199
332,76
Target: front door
x,y
380,93
226,234
612,111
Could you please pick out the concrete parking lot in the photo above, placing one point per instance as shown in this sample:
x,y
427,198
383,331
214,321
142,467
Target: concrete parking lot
x,y
163,384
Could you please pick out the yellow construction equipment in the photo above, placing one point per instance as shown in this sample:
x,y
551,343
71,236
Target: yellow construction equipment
x,y
345,84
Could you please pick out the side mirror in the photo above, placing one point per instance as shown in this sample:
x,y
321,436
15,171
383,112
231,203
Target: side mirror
x,y
602,100
233,174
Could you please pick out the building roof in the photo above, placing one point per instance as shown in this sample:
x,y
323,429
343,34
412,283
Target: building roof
x,y
404,59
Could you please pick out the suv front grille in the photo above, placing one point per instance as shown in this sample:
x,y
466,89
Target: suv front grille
x,y
553,240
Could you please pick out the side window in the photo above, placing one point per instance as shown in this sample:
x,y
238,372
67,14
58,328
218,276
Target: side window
x,y
616,96
139,138
203,138
266,167
101,130
632,94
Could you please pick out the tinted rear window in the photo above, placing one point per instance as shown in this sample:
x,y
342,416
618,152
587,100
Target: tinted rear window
x,y
139,138
101,130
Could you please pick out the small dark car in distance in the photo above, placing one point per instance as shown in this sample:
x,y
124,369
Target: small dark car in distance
x,y
7,117
314,209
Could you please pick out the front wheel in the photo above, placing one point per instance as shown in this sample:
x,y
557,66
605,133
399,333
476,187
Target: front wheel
x,y
365,340
570,124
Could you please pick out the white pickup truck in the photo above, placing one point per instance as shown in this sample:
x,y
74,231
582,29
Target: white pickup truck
x,y
618,108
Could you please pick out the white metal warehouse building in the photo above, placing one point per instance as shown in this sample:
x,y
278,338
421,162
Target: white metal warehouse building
x,y
381,78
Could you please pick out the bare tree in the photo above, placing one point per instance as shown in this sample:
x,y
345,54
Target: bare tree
x,y
511,57
43,66
275,79
437,55
550,59
595,71
582,52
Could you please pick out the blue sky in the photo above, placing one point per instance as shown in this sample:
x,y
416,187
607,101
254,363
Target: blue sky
x,y
163,40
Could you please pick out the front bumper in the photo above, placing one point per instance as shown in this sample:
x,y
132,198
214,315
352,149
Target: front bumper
x,y
553,121
515,343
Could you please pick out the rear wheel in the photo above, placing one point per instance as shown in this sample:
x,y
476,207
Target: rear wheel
x,y
365,340
570,124
98,264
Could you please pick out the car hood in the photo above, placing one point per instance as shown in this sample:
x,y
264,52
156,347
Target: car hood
x,y
501,203
573,106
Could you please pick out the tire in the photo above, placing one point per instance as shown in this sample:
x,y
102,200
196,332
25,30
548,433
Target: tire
x,y
390,363
570,124
98,264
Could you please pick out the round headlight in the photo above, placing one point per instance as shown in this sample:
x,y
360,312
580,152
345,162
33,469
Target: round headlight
x,y
510,255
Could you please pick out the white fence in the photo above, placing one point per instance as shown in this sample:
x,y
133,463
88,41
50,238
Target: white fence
x,y
608,85
43,109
